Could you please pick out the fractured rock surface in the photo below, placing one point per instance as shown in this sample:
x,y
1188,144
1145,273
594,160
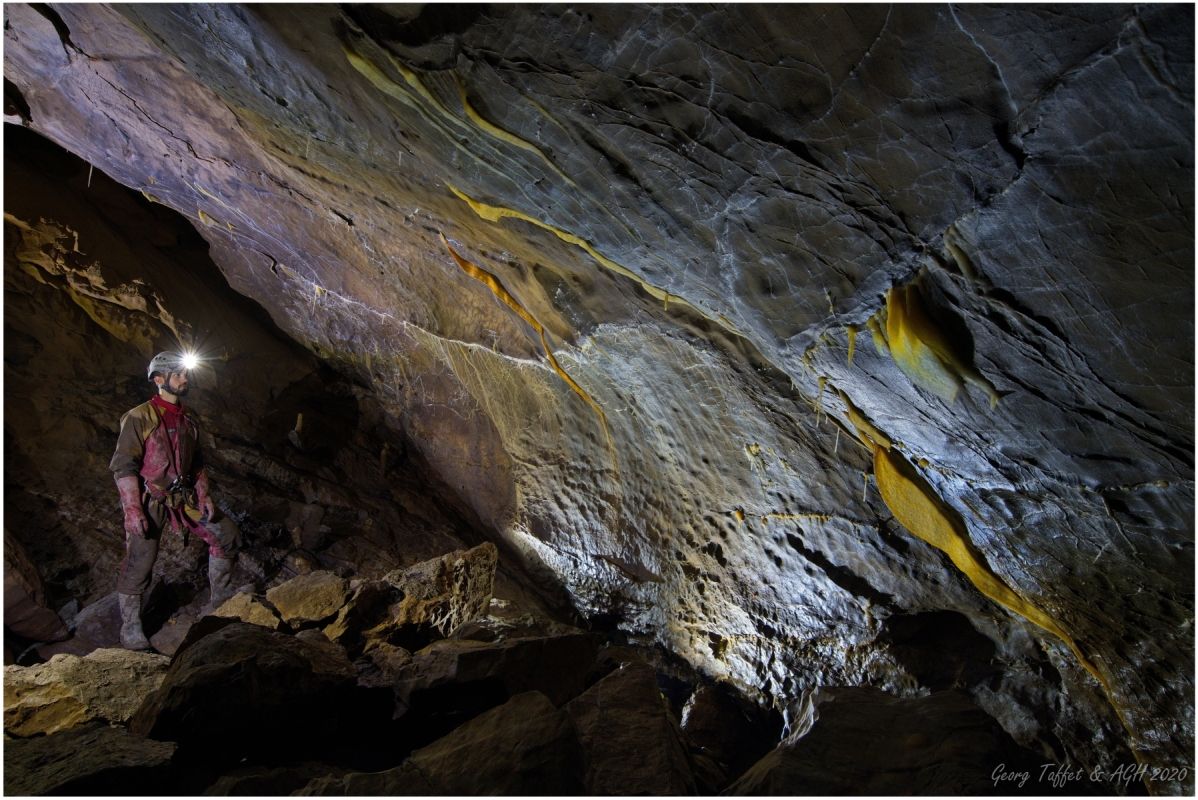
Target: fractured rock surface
x,y
714,264
66,691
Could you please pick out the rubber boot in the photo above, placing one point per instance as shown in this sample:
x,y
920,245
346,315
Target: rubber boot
x,y
220,582
132,636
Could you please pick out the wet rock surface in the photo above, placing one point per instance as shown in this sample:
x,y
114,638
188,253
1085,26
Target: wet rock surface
x,y
724,273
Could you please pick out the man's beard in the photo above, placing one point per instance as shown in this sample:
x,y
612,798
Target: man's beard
x,y
176,392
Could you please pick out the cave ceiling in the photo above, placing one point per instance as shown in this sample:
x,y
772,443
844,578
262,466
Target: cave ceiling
x,y
755,328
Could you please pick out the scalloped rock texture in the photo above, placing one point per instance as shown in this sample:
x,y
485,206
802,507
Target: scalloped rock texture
x,y
701,207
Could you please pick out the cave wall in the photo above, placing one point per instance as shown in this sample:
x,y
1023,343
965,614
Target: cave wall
x,y
710,213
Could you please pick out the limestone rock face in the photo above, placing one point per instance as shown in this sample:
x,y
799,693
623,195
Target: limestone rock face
x,y
66,691
244,607
762,326
446,592
309,598
631,744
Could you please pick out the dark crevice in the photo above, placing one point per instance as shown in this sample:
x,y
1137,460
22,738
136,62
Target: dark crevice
x,y
1010,143
14,103
762,133
434,21
852,583
64,33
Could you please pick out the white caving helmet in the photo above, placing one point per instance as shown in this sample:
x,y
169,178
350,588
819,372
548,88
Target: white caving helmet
x,y
168,361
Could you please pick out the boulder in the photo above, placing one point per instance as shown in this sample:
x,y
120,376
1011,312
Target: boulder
x,y
453,680
447,591
100,622
309,599
172,634
630,742
381,665
244,691
92,760
25,612
410,607
371,614
867,742
496,627
67,690
524,747
247,608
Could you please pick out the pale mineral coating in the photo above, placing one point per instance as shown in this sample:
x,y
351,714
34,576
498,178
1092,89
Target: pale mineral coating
x,y
696,203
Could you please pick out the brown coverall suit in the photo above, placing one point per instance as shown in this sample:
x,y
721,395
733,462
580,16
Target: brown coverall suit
x,y
150,448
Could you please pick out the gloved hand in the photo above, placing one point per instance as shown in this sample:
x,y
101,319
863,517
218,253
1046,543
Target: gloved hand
x,y
203,499
136,523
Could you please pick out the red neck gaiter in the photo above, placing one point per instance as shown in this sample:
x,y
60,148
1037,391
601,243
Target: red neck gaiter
x,y
170,412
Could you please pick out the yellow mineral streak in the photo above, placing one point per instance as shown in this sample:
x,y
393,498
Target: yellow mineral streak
x,y
204,218
384,83
917,507
377,77
869,435
922,351
964,262
879,335
499,133
497,288
496,213
852,334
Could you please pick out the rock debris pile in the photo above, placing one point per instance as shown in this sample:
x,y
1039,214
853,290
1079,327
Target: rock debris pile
x,y
424,683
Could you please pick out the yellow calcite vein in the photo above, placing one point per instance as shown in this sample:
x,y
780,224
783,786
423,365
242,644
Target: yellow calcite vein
x,y
497,288
920,510
499,133
922,351
495,213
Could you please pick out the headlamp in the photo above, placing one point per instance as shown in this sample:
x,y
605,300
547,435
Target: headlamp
x,y
190,361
